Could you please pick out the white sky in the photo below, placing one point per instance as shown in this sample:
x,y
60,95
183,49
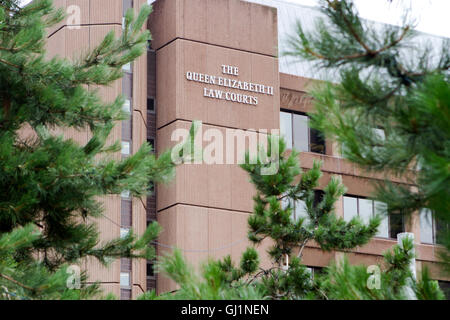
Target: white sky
x,y
431,16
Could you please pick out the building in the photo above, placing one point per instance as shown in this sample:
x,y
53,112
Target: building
x,y
215,61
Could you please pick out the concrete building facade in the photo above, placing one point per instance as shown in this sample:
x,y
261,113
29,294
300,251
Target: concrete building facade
x,y
216,61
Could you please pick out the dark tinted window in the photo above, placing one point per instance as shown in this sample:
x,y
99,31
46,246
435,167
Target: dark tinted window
x,y
445,287
297,133
150,270
125,294
150,104
151,142
318,196
317,141
396,225
441,230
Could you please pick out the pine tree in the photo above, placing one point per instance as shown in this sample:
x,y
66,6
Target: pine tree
x,y
343,281
288,278
49,185
389,106
277,197
272,218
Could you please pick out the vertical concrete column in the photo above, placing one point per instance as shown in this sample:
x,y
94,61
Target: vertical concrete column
x,y
335,149
213,66
339,211
339,205
412,266
412,225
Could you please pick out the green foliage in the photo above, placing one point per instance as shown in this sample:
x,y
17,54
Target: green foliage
x,y
274,221
389,110
428,289
378,89
54,183
23,280
271,219
288,278
343,281
211,284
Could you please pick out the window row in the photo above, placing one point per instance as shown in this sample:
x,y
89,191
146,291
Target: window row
x,y
365,209
299,206
294,127
360,207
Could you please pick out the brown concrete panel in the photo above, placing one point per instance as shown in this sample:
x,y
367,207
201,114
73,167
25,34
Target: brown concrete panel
x,y
219,185
57,4
86,14
220,229
224,186
315,257
184,99
228,23
99,14
428,252
295,83
108,231
364,259
77,42
56,45
113,288
139,266
296,101
166,87
167,237
163,22
242,190
358,186
201,233
436,271
238,235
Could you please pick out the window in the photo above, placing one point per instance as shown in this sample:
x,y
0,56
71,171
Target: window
x,y
124,232
445,287
125,294
126,211
151,105
151,142
286,127
127,67
315,271
318,197
396,225
151,188
127,129
127,86
127,4
125,148
124,279
127,106
365,209
432,230
125,194
150,269
299,207
380,137
294,127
